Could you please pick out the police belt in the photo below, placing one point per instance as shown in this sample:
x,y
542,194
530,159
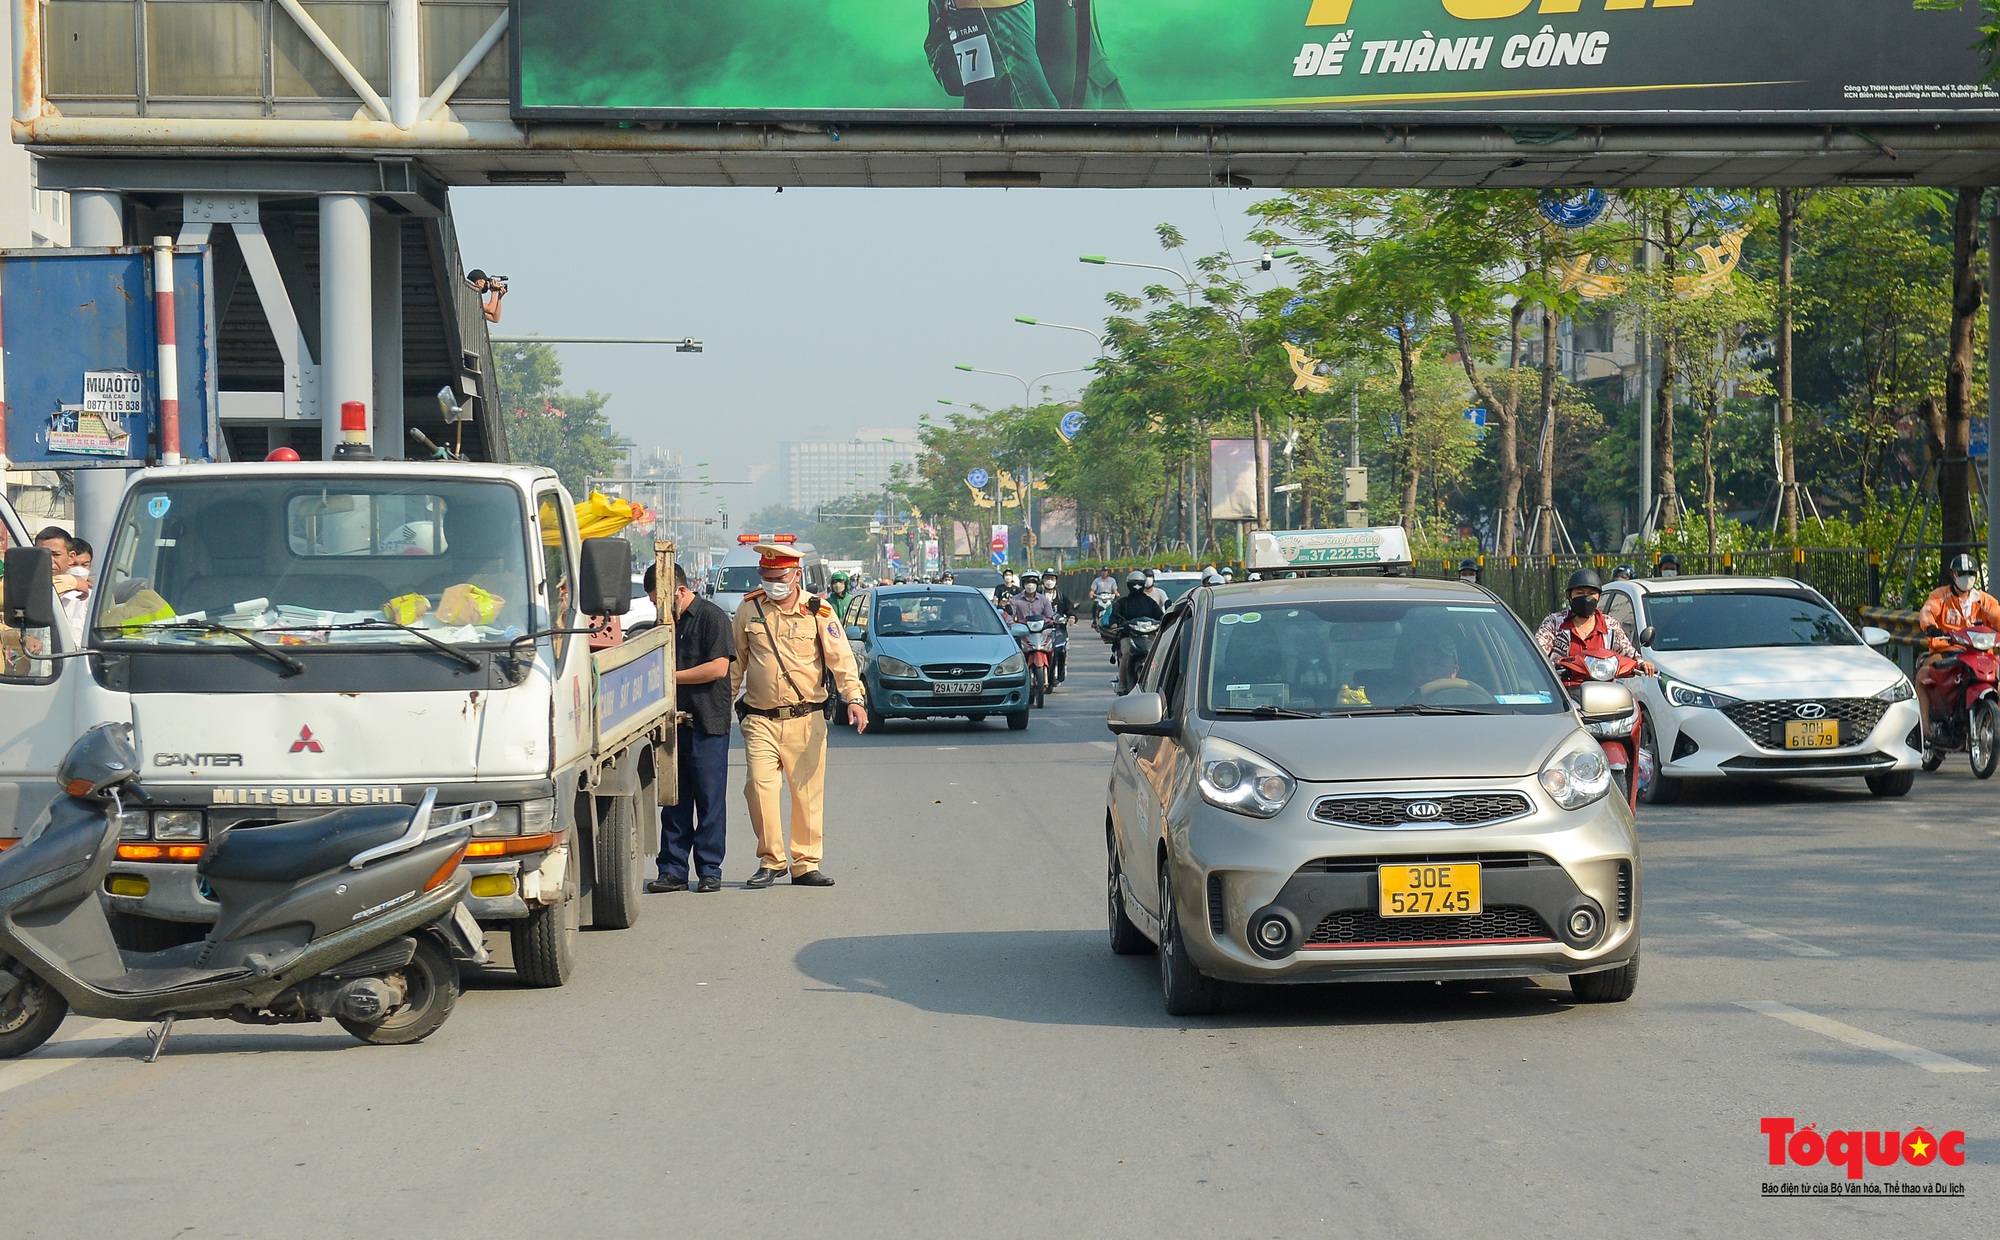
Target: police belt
x,y
799,711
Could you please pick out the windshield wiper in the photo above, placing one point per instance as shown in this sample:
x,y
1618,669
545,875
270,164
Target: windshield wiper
x,y
1361,711
292,666
471,664
1269,712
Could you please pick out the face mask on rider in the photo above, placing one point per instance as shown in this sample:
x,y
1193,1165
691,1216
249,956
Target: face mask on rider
x,y
1583,605
1029,587
1962,582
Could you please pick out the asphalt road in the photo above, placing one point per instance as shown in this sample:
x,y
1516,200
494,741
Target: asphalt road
x,y
942,1045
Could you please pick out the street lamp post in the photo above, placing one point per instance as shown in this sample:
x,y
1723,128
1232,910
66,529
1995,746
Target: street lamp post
x,y
1034,322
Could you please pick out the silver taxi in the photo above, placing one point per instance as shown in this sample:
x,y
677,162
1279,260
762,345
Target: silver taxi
x,y
1364,779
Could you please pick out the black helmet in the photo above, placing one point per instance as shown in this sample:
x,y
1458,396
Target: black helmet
x,y
1468,565
1622,573
1961,563
99,761
1670,558
1584,579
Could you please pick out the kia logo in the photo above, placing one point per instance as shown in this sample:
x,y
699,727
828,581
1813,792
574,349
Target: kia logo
x,y
1423,811
1810,710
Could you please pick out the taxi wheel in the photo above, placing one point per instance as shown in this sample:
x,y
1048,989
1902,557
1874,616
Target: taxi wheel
x,y
1187,990
1611,986
1659,790
1126,938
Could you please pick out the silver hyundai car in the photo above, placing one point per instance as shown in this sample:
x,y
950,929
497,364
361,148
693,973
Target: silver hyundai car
x,y
1365,779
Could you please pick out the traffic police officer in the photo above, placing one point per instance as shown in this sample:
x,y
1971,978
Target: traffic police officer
x,y
788,644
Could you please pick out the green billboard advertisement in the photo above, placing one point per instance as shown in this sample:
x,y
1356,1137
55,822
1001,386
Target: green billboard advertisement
x,y
935,59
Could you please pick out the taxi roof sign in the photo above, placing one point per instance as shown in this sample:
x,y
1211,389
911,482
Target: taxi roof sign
x,y
1362,548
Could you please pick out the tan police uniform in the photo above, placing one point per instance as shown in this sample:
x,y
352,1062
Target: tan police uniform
x,y
784,653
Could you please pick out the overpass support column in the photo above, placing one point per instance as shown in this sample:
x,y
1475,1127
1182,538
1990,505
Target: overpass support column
x,y
97,219
346,312
388,294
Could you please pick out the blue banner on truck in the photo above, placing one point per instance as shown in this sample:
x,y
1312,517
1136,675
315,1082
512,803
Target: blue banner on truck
x,y
81,375
629,691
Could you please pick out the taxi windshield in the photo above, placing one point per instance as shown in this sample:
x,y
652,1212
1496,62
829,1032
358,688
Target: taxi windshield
x,y
1373,656
956,613
317,560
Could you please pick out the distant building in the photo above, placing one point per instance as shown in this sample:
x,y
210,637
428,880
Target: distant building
x,y
819,471
30,217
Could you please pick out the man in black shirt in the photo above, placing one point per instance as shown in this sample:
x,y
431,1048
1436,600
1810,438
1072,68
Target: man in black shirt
x,y
695,829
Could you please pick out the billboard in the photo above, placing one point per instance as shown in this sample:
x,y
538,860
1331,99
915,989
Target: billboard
x,y
934,59
1232,478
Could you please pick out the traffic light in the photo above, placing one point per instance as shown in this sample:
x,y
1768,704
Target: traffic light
x,y
725,518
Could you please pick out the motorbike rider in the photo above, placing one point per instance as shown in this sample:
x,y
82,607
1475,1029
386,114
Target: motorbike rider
x,y
1600,634
1956,605
1468,571
1064,609
846,605
1030,603
1669,566
1159,595
1009,583
1622,573
1104,585
1137,603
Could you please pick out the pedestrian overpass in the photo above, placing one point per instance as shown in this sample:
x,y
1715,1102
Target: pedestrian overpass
x,y
314,144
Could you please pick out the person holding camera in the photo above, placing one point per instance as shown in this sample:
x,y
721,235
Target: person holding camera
x,y
491,289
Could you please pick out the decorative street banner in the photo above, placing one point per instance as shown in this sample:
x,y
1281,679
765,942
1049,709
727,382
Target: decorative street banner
x,y
1749,59
1232,478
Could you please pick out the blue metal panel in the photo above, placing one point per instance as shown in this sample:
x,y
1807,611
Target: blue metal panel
x,y
66,311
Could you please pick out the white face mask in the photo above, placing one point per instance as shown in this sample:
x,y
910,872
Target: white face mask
x,y
1670,572
83,570
1963,581
1031,587
777,591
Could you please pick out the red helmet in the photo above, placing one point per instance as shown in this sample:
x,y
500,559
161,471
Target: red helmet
x,y
282,454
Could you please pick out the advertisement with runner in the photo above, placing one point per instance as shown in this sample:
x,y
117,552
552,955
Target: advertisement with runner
x,y
582,58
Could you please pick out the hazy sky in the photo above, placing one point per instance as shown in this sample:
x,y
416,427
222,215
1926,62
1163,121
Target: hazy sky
x,y
822,310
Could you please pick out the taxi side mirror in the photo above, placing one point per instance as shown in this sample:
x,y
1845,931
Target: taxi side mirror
x,y
604,577
30,601
1599,700
1139,714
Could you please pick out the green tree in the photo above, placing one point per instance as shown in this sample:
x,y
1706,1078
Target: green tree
x,y
548,426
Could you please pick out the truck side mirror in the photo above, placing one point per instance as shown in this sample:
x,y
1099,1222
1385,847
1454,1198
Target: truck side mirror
x,y
604,577
30,591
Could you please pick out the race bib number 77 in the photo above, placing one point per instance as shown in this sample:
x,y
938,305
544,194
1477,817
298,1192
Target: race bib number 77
x,y
975,58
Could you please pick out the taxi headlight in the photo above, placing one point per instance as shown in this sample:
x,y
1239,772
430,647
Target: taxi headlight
x,y
1901,691
178,824
1576,774
895,667
1012,665
1233,778
1687,695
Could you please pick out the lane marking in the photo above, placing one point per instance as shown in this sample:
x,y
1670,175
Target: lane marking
x,y
1106,746
49,1059
1929,1061
1780,941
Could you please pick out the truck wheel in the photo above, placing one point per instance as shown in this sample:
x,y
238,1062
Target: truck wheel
x,y
545,940
30,1015
430,983
621,873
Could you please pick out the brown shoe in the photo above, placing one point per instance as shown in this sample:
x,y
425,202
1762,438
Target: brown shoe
x,y
811,878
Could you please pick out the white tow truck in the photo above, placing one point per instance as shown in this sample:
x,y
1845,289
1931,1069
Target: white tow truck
x,y
290,638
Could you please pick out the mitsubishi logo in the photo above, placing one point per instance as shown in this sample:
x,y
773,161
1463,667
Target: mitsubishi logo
x,y
1424,811
1810,710
306,743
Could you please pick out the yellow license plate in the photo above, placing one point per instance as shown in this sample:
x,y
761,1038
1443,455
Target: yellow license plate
x,y
1812,733
1450,890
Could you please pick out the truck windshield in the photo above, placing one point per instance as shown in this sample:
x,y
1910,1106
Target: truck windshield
x,y
303,561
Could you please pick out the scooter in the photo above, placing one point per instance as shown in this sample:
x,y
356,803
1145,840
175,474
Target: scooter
x,y
354,914
1964,708
1061,649
1614,736
1037,642
1135,646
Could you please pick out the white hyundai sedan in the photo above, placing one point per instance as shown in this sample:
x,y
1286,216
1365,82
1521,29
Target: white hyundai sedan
x,y
1762,678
